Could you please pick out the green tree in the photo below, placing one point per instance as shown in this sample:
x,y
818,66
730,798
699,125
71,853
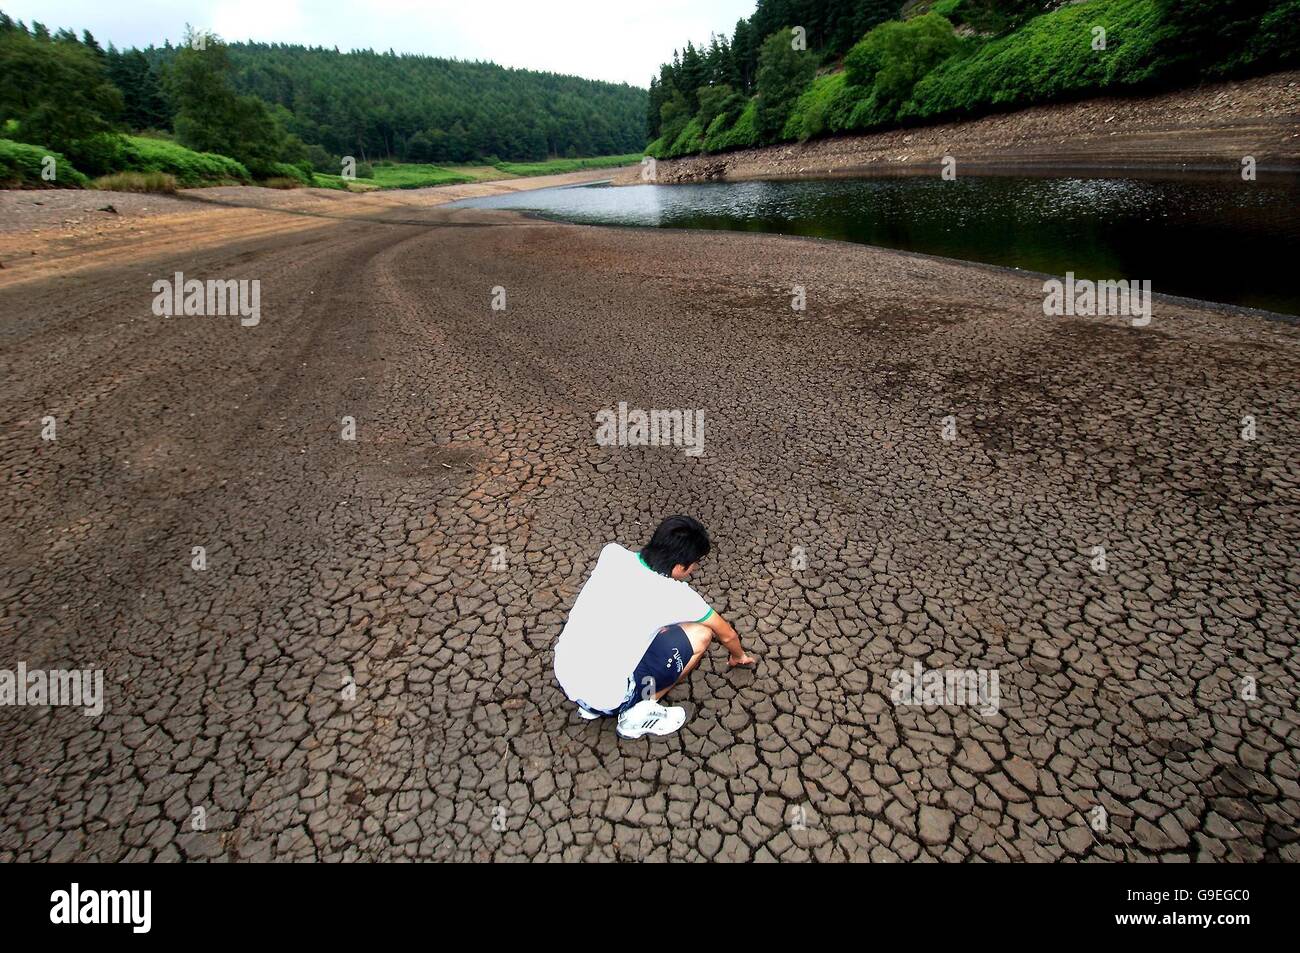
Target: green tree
x,y
744,55
693,73
673,117
212,117
143,104
783,74
719,100
654,102
64,97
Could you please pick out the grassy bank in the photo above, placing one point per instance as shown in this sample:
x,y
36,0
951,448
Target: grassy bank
x,y
137,160
146,163
562,166
190,169
413,175
26,166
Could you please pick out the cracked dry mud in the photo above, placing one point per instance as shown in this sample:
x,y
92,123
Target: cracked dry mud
x,y
373,559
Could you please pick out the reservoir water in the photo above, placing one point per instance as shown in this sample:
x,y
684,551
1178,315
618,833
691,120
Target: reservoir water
x,y
1217,239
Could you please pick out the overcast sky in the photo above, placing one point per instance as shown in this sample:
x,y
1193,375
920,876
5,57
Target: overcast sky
x,y
599,39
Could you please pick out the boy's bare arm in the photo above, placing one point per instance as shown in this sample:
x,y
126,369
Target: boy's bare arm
x,y
730,640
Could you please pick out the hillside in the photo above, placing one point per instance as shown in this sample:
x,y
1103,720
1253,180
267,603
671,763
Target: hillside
x,y
788,74
428,109
1201,128
269,106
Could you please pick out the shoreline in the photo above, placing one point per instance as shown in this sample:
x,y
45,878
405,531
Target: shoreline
x,y
250,212
47,232
1204,128
1220,307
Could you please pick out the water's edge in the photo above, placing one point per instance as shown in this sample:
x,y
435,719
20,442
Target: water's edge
x,y
1201,238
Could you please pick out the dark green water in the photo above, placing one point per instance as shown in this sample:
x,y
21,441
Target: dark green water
x,y
1221,239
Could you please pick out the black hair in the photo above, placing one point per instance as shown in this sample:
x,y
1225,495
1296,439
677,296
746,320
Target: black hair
x,y
679,541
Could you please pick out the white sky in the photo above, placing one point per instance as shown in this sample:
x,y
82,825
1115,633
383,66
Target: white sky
x,y
613,40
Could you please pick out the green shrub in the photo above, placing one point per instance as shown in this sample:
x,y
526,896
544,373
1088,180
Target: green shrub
x,y
111,155
99,154
265,171
657,148
323,180
714,132
691,140
950,10
1050,57
870,113
824,108
742,134
718,100
136,182
673,117
21,165
890,59
322,161
190,168
745,131
1148,42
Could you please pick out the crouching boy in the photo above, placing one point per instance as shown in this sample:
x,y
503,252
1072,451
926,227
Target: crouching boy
x,y
637,629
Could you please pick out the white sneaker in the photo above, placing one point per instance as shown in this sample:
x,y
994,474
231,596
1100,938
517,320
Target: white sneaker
x,y
589,715
650,718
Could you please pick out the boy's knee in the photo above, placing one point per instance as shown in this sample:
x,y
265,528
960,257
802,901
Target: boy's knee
x,y
700,636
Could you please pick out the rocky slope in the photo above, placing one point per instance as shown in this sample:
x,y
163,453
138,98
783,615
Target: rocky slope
x,y
1210,127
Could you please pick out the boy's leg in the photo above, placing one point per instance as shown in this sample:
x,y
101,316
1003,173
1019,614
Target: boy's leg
x,y
673,654
674,651
699,636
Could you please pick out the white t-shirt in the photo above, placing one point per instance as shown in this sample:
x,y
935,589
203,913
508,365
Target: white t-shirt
x,y
620,608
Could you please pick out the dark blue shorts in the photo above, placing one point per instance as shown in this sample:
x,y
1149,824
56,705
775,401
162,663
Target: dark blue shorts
x,y
662,664
659,668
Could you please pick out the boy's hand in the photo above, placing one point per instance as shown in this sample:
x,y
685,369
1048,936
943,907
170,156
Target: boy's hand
x,y
730,641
